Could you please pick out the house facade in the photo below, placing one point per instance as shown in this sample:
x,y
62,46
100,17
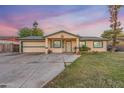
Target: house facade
x,y
61,42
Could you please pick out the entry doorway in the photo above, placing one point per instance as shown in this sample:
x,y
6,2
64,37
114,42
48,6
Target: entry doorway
x,y
68,46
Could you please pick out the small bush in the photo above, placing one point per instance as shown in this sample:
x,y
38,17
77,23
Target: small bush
x,y
49,51
84,48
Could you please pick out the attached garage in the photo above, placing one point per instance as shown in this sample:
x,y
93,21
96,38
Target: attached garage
x,y
33,45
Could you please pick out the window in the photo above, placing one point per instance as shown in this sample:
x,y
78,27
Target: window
x,y
97,44
57,44
82,43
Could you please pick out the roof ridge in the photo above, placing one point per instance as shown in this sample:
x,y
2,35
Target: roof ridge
x,y
60,32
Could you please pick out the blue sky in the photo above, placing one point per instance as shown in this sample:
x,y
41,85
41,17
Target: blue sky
x,y
83,20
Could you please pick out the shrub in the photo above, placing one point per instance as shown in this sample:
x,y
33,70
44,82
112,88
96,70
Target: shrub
x,y
84,48
49,51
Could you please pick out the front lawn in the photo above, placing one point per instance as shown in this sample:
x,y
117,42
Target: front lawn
x,y
93,70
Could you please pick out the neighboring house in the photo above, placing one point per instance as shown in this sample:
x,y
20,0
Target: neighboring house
x,y
60,42
9,44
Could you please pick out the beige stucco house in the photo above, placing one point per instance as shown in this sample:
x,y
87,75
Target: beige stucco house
x,y
61,42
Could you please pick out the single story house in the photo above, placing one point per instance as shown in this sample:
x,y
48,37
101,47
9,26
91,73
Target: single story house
x,y
9,44
60,42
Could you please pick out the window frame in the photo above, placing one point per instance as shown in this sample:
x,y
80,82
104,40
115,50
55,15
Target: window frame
x,y
51,44
84,42
99,46
54,44
62,44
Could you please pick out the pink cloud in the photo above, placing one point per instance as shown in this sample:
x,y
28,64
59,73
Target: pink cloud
x,y
25,17
90,28
7,30
54,24
94,28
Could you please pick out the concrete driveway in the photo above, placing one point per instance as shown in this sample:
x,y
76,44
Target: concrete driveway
x,y
31,71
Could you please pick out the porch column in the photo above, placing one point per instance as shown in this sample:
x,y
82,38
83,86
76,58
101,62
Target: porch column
x,y
62,45
77,45
46,46
20,46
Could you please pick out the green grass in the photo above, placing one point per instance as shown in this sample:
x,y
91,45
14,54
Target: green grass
x,y
100,70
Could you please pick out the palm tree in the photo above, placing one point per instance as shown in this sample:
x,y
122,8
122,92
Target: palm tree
x,y
35,24
36,31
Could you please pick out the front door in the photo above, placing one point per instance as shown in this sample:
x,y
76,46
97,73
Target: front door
x,y
68,46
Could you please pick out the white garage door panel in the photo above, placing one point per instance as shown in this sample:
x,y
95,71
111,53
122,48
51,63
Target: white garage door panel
x,y
33,43
33,47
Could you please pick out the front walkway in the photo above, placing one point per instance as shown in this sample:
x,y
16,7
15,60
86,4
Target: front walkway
x,y
31,71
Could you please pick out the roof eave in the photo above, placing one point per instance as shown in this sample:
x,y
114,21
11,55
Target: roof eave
x,y
30,39
60,32
94,39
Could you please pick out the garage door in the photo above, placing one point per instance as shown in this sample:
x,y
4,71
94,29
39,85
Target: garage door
x,y
35,46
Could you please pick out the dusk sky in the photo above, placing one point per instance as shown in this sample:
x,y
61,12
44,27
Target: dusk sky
x,y
82,20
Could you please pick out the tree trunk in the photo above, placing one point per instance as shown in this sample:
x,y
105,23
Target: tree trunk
x,y
114,30
114,44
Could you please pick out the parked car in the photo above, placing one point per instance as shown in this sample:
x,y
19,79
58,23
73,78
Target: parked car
x,y
117,48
